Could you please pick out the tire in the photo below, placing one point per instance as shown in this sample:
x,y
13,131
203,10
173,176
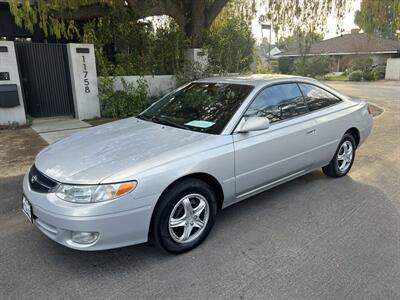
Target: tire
x,y
336,168
173,219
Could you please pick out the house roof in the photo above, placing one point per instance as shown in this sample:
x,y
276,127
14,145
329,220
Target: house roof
x,y
359,43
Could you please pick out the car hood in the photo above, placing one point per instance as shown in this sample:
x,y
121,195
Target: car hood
x,y
95,154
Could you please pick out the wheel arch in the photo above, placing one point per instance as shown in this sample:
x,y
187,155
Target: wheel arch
x,y
355,133
208,178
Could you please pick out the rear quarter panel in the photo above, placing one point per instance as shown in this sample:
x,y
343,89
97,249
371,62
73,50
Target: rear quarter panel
x,y
332,124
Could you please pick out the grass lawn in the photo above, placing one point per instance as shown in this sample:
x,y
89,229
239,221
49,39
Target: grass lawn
x,y
342,77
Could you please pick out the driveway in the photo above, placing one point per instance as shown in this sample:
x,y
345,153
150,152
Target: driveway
x,y
55,129
312,238
18,148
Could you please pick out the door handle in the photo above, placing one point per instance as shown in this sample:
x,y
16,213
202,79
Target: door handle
x,y
311,131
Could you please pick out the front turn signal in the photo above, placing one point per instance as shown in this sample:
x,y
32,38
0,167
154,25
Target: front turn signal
x,y
125,188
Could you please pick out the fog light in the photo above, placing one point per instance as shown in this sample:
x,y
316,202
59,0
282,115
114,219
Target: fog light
x,y
82,237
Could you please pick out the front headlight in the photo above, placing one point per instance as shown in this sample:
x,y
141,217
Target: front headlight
x,y
94,193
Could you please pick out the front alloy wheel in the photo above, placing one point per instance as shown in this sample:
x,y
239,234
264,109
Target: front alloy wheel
x,y
183,216
188,218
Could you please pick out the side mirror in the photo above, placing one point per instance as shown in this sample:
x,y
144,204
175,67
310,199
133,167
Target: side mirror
x,y
248,124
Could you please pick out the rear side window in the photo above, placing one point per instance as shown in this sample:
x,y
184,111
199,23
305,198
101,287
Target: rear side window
x,y
278,102
317,98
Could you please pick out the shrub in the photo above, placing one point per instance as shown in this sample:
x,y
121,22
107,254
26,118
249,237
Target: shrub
x,y
274,66
356,76
364,65
313,66
267,67
263,69
379,72
361,63
129,101
368,75
285,65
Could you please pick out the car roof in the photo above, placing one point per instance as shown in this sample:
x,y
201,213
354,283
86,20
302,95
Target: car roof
x,y
255,79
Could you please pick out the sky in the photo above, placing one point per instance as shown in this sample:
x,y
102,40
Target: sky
x,y
347,25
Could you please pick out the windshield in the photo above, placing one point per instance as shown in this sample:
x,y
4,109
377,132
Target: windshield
x,y
205,107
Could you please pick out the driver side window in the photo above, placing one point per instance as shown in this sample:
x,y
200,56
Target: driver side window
x,y
278,102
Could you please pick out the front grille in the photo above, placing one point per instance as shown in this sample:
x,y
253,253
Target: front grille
x,y
39,182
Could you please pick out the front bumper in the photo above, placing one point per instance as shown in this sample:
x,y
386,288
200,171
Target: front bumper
x,y
57,219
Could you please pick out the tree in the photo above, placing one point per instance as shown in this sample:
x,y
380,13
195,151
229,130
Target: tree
x,y
229,41
381,17
123,47
311,15
303,16
60,17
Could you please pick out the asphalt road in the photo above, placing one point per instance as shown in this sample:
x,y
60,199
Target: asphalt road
x,y
312,238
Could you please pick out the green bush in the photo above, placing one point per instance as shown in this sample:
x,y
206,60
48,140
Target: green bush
x,y
267,67
379,72
285,65
129,101
364,65
356,75
368,75
361,63
312,66
274,66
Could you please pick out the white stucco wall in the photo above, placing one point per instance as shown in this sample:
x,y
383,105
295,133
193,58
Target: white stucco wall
x,y
393,69
84,81
8,63
158,84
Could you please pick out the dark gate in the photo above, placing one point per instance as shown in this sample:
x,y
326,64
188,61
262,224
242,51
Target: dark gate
x,y
45,79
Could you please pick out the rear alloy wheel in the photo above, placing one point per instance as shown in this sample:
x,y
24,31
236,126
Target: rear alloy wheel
x,y
343,159
184,216
345,156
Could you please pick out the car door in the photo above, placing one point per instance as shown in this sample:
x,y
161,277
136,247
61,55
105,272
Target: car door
x,y
265,157
330,122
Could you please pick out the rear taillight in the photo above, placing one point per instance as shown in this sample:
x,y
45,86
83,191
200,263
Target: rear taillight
x,y
370,109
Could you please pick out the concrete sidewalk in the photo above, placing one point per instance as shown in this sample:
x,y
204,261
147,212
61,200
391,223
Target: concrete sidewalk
x,y
57,128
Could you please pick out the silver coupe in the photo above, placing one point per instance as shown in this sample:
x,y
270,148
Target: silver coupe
x,y
163,175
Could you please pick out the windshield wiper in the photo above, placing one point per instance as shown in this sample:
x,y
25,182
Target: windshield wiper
x,y
167,122
162,121
143,117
